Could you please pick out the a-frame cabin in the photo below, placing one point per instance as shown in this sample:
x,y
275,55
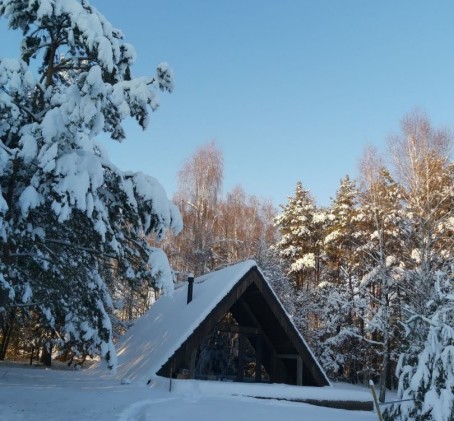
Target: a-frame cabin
x,y
233,328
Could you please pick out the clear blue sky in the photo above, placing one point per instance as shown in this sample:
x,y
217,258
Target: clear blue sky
x,y
290,89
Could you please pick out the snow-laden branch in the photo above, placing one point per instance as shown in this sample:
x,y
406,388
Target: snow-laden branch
x,y
76,247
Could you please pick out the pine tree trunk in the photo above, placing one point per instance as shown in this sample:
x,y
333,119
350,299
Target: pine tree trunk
x,y
385,364
383,377
46,355
32,355
7,333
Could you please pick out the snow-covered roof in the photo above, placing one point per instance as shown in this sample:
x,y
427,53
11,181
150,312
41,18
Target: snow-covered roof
x,y
155,337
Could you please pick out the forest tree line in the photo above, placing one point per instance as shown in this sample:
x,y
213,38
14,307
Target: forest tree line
x,y
360,277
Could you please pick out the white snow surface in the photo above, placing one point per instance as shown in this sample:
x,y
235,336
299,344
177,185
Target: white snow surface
x,y
153,339
29,393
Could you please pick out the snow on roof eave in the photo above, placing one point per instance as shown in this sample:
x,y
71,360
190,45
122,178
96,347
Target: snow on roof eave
x,y
296,329
170,322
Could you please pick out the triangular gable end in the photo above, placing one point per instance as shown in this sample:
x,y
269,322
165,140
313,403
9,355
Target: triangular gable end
x,y
267,345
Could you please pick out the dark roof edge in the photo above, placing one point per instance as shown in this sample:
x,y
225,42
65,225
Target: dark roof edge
x,y
293,327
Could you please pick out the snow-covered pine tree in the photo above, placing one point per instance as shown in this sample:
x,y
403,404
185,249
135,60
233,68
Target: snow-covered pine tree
x,y
381,234
340,242
66,212
299,242
426,373
338,297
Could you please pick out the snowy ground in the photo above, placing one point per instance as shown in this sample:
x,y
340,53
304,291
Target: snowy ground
x,y
39,394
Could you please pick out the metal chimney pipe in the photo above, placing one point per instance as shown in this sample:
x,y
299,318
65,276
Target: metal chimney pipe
x,y
190,287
